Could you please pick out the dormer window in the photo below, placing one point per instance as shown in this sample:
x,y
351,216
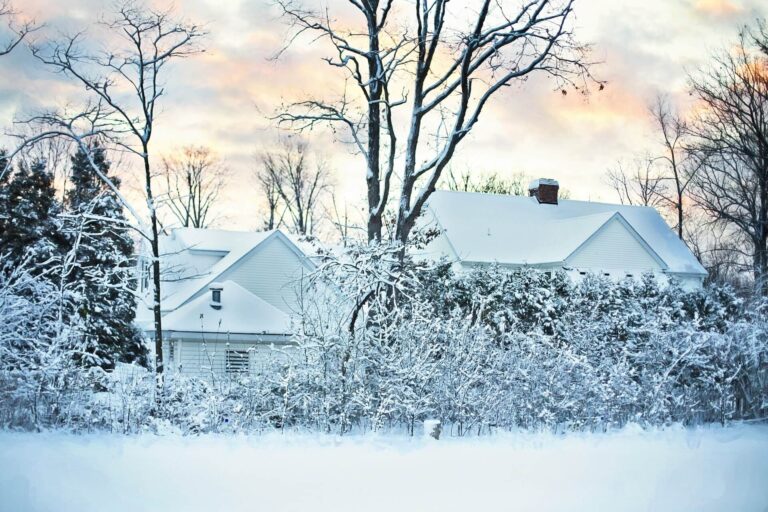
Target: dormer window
x,y
216,290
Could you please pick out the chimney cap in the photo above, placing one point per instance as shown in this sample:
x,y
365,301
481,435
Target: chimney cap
x,y
216,286
542,181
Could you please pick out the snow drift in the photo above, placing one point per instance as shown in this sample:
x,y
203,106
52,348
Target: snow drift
x,y
672,469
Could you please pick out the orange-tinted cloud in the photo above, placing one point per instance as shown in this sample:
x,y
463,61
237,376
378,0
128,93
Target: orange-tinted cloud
x,y
717,7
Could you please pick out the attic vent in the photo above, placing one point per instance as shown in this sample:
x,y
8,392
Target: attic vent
x,y
216,290
544,190
237,361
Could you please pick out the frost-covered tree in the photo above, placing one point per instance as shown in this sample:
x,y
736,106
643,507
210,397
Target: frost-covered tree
x,y
102,264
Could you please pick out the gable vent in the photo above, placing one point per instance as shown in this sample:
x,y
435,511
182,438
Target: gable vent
x,y
216,292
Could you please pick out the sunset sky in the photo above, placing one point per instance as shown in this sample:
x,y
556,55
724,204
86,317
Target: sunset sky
x,y
223,98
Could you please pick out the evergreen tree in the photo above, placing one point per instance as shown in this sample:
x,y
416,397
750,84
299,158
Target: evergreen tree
x,y
103,264
29,224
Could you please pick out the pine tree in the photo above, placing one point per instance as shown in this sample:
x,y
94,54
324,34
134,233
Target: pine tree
x,y
29,225
102,265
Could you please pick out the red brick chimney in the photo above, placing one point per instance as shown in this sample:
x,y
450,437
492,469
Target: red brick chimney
x,y
544,190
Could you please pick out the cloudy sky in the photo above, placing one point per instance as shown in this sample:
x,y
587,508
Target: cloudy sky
x,y
223,98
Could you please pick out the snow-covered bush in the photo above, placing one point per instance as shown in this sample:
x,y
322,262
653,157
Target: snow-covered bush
x,y
37,347
385,345
497,348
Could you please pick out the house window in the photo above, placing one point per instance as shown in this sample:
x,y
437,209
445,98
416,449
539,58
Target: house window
x,y
237,361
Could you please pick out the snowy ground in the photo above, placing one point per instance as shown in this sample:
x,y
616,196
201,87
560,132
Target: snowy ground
x,y
670,470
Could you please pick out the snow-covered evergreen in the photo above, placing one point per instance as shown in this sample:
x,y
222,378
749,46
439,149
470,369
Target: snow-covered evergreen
x,y
102,264
29,224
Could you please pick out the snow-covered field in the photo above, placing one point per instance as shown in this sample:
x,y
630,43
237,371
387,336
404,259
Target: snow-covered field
x,y
669,470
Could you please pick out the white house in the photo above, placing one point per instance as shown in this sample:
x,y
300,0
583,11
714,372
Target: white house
x,y
549,233
226,296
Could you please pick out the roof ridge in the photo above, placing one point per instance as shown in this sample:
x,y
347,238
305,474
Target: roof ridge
x,y
560,200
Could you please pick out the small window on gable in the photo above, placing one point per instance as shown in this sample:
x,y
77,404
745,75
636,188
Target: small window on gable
x,y
237,361
216,295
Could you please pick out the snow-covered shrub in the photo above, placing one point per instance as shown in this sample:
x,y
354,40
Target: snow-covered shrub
x,y
37,347
385,345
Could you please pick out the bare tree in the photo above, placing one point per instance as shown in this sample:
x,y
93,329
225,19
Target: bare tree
x,y
292,177
489,183
347,220
19,31
730,145
678,167
444,61
640,184
194,178
269,190
125,84
718,246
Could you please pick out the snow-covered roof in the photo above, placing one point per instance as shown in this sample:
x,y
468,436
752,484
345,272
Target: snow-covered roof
x,y
240,312
492,228
193,258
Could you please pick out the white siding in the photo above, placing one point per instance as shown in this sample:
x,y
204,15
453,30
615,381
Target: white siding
x,y
272,272
613,248
208,359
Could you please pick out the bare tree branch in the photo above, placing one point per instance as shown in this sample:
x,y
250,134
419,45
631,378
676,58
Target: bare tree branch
x,y
20,31
730,144
447,70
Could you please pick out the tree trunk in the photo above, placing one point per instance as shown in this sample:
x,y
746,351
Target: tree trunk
x,y
761,264
760,256
679,205
155,243
375,209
